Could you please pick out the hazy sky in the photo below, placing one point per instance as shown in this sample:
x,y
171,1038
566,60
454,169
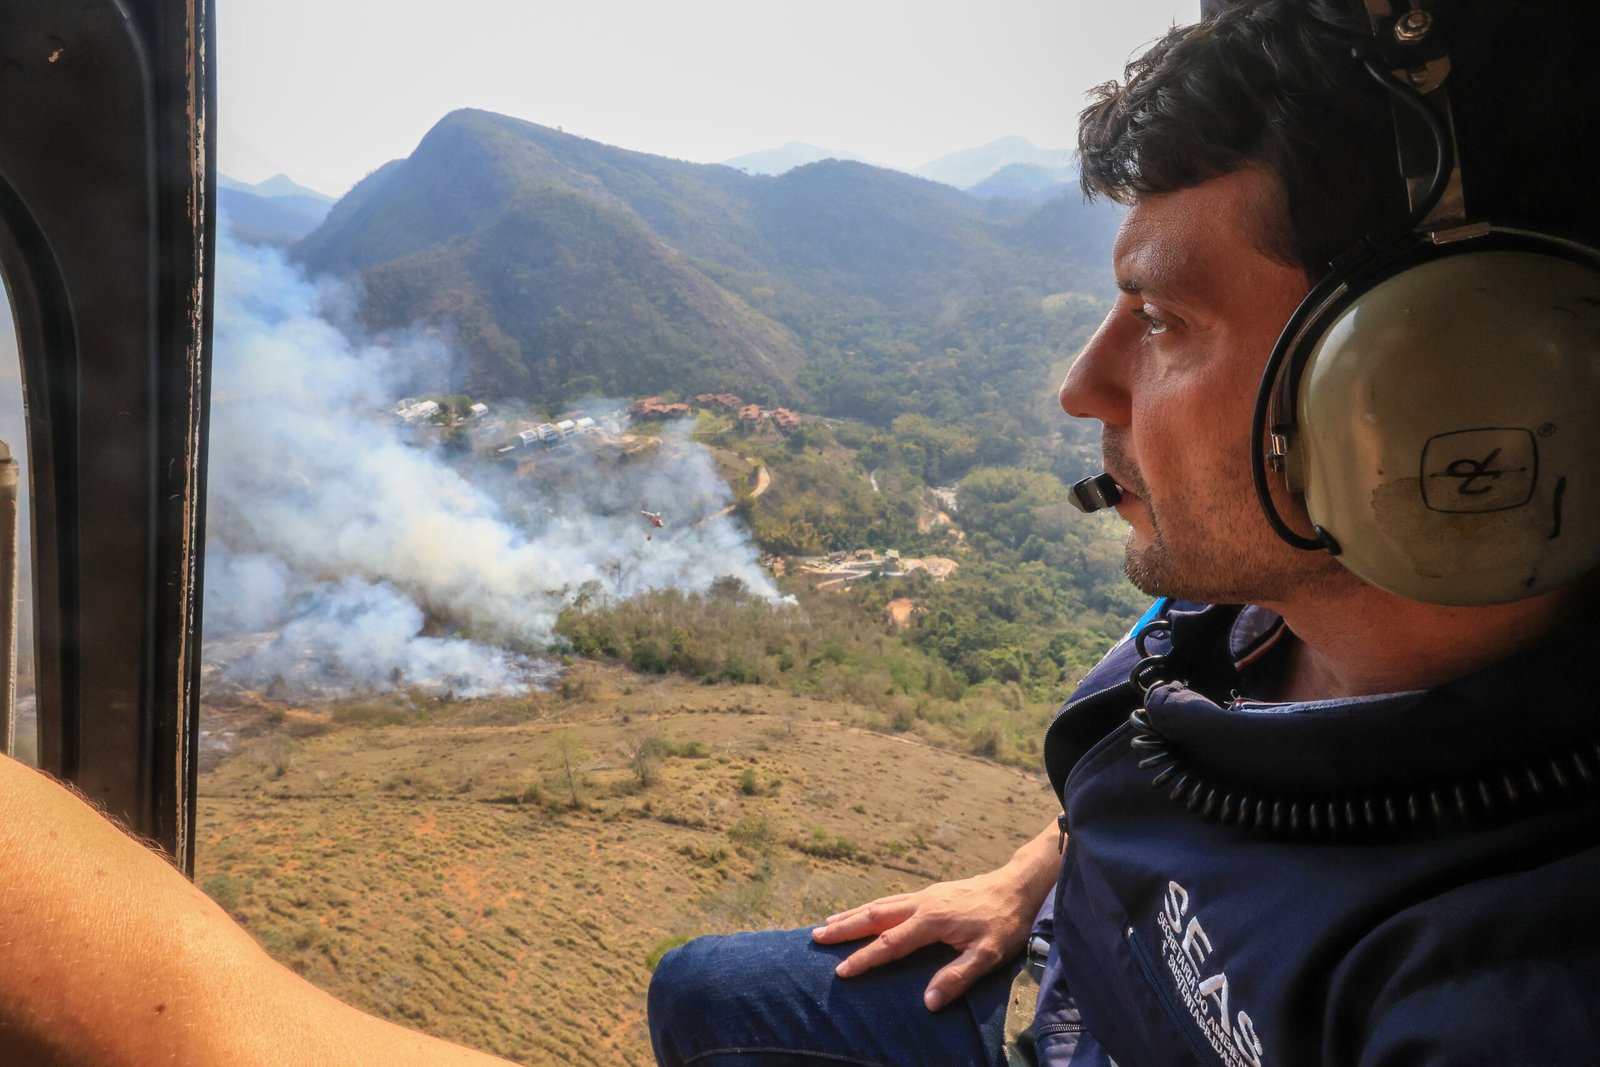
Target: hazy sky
x,y
328,90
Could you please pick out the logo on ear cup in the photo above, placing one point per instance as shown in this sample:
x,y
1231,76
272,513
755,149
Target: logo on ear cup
x,y
1490,469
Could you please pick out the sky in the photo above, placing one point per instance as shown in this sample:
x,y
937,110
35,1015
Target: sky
x,y
329,90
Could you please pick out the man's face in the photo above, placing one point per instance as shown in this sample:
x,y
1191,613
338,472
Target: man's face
x,y
1172,375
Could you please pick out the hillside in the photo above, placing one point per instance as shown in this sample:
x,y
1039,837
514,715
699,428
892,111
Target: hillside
x,y
434,870
515,287
563,265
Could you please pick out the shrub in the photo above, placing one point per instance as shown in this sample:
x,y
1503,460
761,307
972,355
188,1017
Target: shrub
x,y
373,715
985,741
274,757
223,888
826,846
661,948
754,833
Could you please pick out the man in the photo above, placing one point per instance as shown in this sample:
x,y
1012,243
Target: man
x,y
1373,832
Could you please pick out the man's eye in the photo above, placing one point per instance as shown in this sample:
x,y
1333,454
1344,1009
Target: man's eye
x,y
1156,325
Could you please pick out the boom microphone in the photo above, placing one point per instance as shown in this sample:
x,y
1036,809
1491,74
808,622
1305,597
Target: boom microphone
x,y
1093,494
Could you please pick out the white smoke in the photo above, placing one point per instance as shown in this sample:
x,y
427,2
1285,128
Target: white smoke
x,y
345,551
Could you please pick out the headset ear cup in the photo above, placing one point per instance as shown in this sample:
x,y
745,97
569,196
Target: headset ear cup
x,y
1441,416
1348,277
1321,306
1274,424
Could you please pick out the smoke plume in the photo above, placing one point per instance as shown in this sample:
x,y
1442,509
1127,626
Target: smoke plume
x,y
346,550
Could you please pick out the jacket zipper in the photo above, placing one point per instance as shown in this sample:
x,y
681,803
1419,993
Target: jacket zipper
x,y
1203,1053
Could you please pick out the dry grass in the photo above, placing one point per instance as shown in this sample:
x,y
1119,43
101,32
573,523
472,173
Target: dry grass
x,y
427,865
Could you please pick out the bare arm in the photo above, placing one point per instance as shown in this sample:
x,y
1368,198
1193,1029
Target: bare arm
x,y
986,918
109,957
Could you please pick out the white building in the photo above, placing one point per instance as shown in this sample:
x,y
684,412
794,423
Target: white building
x,y
427,409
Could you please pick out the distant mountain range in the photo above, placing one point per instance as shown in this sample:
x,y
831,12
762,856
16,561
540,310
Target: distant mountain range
x,y
1022,181
563,266
279,185
1023,169
273,212
785,158
971,166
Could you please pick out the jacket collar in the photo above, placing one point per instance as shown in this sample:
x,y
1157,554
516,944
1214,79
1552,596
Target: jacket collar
x,y
1518,709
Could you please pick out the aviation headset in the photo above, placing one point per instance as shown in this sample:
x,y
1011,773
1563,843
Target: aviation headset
x,y
1435,399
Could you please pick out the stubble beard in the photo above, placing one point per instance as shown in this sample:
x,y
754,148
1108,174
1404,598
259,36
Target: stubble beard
x,y
1234,564
1216,550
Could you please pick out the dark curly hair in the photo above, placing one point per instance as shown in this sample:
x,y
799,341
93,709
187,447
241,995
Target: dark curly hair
x,y
1271,83
1266,83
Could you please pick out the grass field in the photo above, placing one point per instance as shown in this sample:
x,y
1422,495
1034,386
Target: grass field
x,y
504,873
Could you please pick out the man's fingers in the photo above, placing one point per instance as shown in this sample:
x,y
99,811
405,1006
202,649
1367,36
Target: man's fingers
x,y
956,977
864,921
891,944
894,898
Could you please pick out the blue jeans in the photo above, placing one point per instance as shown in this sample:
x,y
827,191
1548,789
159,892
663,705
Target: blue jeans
x,y
771,999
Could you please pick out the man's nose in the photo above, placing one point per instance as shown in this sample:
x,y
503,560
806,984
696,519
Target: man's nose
x,y
1094,386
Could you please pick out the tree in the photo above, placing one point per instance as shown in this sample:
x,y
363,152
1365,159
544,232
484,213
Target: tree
x,y
1011,504
570,760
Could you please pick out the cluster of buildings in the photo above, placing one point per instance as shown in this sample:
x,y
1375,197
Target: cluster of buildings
x,y
551,434
750,416
843,569
414,412
654,408
649,408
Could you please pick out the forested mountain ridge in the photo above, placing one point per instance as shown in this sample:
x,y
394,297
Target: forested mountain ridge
x,y
564,265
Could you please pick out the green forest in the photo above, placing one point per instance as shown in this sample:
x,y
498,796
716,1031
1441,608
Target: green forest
x,y
989,652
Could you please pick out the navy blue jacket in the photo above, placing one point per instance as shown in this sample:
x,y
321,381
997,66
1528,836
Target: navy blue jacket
x,y
1410,879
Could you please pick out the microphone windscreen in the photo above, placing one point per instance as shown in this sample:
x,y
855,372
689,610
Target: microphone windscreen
x,y
1093,494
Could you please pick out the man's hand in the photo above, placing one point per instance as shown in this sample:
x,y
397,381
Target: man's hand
x,y
986,919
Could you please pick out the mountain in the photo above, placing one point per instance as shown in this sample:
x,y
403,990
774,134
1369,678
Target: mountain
x,y
280,185
970,166
562,266
785,158
1020,181
274,212
560,295
1071,229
